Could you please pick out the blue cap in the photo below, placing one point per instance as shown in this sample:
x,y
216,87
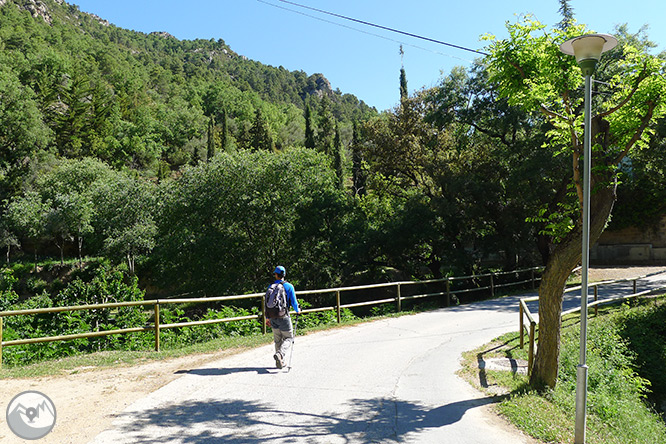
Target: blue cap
x,y
280,270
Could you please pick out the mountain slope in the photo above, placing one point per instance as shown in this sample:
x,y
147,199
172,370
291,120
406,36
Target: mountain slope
x,y
84,87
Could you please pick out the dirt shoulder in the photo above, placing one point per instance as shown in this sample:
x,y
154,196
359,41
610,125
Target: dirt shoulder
x,y
88,399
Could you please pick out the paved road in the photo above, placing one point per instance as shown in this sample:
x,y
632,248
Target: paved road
x,y
387,381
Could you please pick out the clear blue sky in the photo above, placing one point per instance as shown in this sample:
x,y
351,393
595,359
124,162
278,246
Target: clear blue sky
x,y
359,59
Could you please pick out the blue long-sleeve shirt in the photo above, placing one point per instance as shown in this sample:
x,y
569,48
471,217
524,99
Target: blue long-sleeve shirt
x,y
291,294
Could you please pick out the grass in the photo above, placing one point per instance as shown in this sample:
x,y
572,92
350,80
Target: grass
x,y
617,409
122,358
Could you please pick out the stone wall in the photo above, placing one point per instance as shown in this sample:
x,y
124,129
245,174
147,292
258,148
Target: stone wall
x,y
631,246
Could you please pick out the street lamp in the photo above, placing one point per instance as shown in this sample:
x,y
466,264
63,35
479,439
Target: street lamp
x,y
587,49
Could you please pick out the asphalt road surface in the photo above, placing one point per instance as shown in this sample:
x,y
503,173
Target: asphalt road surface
x,y
387,381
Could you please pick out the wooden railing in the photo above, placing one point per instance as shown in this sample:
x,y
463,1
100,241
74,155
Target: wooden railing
x,y
491,285
524,311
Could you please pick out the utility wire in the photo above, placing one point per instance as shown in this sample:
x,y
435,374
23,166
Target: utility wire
x,y
361,31
386,28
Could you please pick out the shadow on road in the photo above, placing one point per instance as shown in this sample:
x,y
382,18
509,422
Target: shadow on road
x,y
243,422
225,371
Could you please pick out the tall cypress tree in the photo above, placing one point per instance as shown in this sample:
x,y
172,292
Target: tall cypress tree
x,y
567,15
403,85
358,177
211,138
326,127
404,93
309,130
337,158
223,131
260,137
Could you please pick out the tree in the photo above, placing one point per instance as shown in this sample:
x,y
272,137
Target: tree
x,y
126,216
531,72
260,136
212,136
404,92
225,241
22,132
28,214
326,126
309,130
403,85
567,15
358,175
7,238
224,131
338,158
69,218
66,187
508,143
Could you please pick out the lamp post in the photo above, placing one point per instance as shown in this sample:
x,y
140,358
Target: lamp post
x,y
587,49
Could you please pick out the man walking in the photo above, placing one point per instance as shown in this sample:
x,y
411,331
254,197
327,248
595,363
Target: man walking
x,y
279,296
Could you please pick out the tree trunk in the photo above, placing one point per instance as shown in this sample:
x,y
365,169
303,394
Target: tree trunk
x,y
80,239
130,263
561,262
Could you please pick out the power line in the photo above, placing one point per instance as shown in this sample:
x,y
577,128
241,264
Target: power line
x,y
386,28
361,31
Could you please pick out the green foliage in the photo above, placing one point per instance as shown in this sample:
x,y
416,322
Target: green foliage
x,y
225,223
643,328
83,88
531,72
105,286
625,357
322,318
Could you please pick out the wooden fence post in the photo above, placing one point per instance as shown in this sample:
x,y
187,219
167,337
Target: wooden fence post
x,y
492,285
522,325
635,286
596,298
0,341
399,301
533,282
337,297
157,325
448,292
263,316
530,359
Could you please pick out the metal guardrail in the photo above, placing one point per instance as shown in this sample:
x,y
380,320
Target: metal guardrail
x,y
524,311
157,326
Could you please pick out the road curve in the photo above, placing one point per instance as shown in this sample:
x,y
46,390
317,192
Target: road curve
x,y
387,381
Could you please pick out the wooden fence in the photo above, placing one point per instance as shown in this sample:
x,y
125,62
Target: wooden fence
x,y
524,311
485,283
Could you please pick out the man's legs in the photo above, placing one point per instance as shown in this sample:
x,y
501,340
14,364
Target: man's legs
x,y
283,337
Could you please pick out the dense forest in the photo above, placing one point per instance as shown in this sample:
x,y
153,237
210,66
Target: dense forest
x,y
197,170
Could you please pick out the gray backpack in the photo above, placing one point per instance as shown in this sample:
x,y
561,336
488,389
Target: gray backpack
x,y
276,301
